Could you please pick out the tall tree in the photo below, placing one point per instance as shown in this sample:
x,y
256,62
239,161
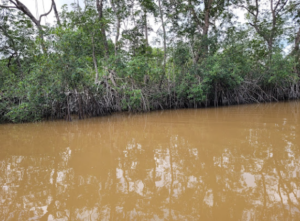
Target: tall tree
x,y
121,12
16,4
193,19
258,18
99,4
161,13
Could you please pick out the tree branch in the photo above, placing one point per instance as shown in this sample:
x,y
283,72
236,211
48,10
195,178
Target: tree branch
x,y
277,4
13,3
55,12
20,6
192,9
297,41
46,13
5,6
244,7
284,3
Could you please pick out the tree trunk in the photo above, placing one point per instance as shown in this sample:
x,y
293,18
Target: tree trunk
x,y
206,26
117,36
146,29
118,25
56,12
164,33
95,61
164,42
297,41
99,4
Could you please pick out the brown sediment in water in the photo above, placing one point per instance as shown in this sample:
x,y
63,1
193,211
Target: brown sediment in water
x,y
231,163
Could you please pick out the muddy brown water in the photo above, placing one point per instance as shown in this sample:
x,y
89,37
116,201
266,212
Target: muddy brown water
x,y
230,163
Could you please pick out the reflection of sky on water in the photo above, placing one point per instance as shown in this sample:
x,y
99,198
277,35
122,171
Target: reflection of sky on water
x,y
249,179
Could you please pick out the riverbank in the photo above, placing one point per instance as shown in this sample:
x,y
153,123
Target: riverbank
x,y
103,99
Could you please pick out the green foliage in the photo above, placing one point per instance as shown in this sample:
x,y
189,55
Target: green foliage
x,y
282,70
191,88
24,112
136,68
181,55
132,100
222,69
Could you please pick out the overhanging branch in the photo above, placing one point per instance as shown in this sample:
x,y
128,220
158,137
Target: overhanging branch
x,y
46,13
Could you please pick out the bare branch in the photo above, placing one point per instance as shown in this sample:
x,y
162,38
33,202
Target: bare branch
x,y
5,6
283,5
244,7
13,3
277,4
20,6
46,13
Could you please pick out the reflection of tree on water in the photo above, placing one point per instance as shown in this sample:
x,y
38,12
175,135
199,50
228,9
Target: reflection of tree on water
x,y
129,169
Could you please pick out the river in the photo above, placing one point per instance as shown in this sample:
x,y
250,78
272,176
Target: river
x,y
228,163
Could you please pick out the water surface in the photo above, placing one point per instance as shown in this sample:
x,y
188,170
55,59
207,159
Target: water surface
x,y
230,163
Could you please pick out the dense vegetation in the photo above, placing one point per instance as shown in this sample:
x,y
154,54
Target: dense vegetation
x,y
98,59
